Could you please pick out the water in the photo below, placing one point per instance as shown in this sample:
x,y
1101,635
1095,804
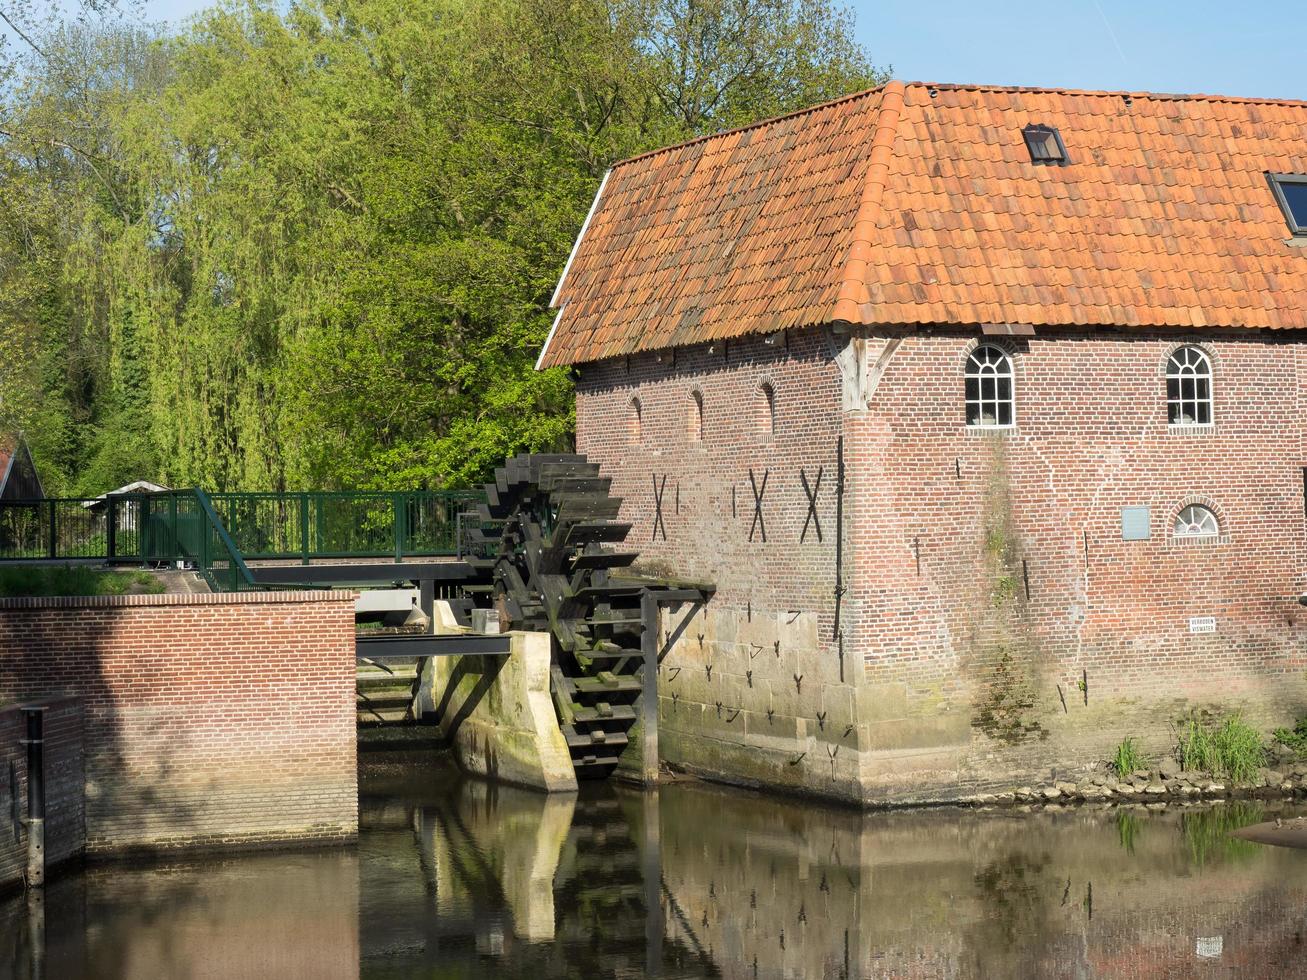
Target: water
x,y
455,878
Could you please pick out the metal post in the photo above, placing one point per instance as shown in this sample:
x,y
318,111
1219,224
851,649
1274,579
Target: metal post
x,y
397,505
111,529
35,743
54,548
304,526
649,698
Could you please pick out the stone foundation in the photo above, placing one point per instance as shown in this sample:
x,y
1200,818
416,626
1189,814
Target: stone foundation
x,y
497,713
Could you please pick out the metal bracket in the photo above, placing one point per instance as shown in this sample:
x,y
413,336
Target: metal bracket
x,y
758,491
811,491
658,507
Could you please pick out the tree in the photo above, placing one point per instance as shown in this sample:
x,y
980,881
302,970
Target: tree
x,y
315,247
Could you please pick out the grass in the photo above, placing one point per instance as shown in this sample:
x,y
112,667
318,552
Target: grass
x,y
1128,758
52,580
1231,748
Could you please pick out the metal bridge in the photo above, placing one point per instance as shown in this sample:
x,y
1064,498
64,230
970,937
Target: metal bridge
x,y
218,532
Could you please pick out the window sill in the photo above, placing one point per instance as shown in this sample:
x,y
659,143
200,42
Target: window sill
x,y
1198,541
1192,430
990,430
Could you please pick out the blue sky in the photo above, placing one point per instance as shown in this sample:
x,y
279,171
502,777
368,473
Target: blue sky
x,y
1226,47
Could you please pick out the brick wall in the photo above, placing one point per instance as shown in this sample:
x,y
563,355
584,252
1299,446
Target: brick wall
x,y
944,526
776,689
65,814
210,720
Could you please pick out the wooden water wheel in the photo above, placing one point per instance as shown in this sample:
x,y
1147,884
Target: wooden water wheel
x,y
548,519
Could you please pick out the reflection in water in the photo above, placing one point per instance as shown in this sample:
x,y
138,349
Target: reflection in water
x,y
462,878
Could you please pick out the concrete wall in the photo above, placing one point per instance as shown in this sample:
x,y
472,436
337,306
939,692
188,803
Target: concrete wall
x,y
65,788
497,713
210,720
947,677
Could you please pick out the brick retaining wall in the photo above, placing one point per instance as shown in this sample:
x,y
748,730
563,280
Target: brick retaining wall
x,y
210,720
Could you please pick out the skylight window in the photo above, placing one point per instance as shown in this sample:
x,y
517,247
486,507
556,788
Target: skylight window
x,y
1291,194
1045,145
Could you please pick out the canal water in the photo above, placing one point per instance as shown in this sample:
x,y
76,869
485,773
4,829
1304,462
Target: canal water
x,y
457,878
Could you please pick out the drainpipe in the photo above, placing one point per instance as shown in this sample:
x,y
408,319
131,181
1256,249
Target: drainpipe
x,y
35,743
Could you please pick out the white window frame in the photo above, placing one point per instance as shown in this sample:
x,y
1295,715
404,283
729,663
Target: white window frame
x,y
1184,530
994,372
1179,373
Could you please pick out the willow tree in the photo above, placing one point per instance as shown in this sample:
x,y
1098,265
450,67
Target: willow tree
x,y
332,230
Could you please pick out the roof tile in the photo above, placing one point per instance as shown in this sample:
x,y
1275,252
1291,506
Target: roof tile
x,y
893,206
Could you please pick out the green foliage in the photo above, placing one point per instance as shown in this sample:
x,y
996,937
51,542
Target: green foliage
x,y
1240,749
1230,748
1127,829
314,244
1295,737
50,580
1128,758
1207,831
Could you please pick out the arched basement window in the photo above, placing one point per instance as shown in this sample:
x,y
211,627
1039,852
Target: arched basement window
x,y
1196,521
989,388
766,410
1189,388
696,416
637,422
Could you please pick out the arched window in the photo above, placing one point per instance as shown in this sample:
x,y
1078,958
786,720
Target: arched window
x,y
696,416
1196,521
1189,388
766,410
989,388
637,422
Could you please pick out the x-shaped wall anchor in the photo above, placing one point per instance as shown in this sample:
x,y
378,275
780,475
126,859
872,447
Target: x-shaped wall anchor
x,y
810,491
758,523
658,507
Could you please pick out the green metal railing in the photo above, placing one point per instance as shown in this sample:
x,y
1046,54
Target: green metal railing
x,y
219,532
345,524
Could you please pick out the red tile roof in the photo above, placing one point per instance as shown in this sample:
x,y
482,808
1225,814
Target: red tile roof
x,y
8,447
918,204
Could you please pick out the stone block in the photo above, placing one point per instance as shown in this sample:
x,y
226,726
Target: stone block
x,y
498,713
923,732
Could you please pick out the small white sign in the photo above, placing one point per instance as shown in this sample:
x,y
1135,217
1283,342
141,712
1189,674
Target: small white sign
x,y
1209,947
1202,624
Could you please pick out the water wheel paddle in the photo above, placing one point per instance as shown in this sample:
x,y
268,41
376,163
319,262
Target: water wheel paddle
x,y
549,520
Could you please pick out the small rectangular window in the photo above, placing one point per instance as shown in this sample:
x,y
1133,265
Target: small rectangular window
x,y
1291,194
1045,145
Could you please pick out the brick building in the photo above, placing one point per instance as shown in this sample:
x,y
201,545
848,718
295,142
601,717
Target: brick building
x,y
983,407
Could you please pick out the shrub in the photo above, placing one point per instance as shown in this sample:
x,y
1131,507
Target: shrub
x,y
1295,737
1128,758
43,580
